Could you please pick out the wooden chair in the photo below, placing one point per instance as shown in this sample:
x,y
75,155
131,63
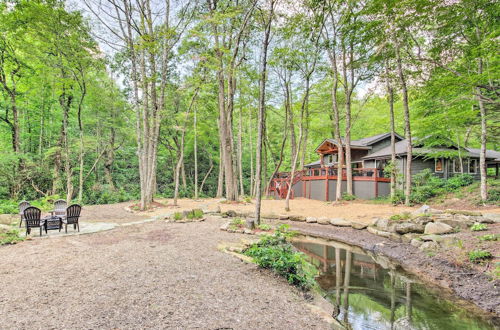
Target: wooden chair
x,y
32,218
72,217
22,206
60,206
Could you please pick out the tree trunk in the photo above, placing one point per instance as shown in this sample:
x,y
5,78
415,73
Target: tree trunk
x,y
406,106
240,150
195,129
262,110
390,100
482,154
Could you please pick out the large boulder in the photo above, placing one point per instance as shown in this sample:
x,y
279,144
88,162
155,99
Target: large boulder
x,y
408,227
437,228
340,222
424,209
429,246
422,220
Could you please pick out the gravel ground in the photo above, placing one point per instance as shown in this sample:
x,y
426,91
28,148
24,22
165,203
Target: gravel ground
x,y
152,275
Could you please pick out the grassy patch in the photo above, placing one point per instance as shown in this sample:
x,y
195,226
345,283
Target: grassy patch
x,y
479,227
264,227
10,237
348,197
402,216
178,216
276,253
477,256
195,214
489,237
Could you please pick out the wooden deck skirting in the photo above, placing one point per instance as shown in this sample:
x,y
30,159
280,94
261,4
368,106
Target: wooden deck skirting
x,y
325,174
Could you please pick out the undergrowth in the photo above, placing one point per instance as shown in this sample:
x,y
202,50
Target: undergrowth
x,y
275,252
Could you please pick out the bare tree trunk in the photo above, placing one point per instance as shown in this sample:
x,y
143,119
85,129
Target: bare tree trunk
x,y
262,110
195,129
240,150
407,126
482,154
220,182
250,144
390,100
206,175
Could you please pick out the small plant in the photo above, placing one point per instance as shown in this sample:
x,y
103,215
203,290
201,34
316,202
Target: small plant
x,y
10,237
402,216
264,226
348,197
178,216
477,256
237,222
276,253
195,214
460,244
479,227
247,199
489,237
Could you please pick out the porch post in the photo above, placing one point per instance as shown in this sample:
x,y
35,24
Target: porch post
x,y
326,187
496,170
322,161
375,178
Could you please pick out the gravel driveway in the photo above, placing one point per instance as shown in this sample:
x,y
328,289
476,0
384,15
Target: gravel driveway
x,y
152,275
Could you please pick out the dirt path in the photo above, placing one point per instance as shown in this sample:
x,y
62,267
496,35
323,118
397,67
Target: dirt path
x,y
152,275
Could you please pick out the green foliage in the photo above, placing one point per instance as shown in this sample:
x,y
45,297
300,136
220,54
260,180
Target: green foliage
x,y
348,197
264,226
276,253
195,214
402,216
178,216
237,222
489,237
8,207
10,237
477,256
479,227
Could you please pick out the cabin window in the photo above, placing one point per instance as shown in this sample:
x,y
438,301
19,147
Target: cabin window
x,y
473,166
456,166
438,165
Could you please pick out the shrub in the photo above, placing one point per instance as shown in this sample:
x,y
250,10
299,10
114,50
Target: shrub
x,y
178,216
348,197
237,221
479,227
477,256
195,214
10,237
458,181
247,199
264,227
276,253
489,237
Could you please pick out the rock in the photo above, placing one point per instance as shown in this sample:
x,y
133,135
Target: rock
x,y
248,231
230,214
297,218
382,224
323,221
385,234
283,217
408,227
239,231
358,225
340,222
373,222
427,246
455,223
482,220
217,209
407,238
416,243
422,220
8,219
269,216
437,228
311,220
225,226
429,238
495,217
424,209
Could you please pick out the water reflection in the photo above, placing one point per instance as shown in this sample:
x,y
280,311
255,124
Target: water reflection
x,y
367,294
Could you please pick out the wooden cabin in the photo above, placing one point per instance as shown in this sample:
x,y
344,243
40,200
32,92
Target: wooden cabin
x,y
370,155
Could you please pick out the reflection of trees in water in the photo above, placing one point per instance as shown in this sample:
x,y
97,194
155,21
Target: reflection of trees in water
x,y
364,268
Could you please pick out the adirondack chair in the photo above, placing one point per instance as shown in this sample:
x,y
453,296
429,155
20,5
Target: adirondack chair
x,y
60,206
72,217
22,206
32,218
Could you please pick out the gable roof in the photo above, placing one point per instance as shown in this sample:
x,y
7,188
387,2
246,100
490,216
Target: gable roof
x,y
401,146
364,143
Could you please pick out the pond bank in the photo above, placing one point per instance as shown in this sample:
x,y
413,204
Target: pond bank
x,y
461,282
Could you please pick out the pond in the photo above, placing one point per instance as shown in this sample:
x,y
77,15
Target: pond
x,y
371,292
